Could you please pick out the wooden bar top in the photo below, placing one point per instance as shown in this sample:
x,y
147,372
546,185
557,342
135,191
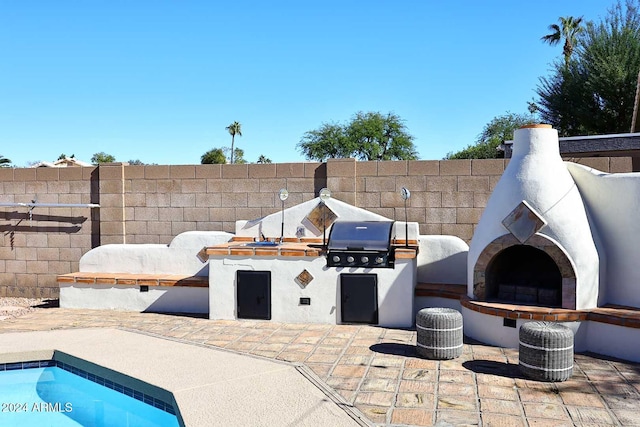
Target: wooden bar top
x,y
288,248
255,249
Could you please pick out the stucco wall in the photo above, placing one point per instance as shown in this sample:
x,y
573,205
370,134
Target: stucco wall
x,y
394,289
613,202
153,204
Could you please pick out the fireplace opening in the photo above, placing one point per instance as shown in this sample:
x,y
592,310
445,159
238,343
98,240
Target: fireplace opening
x,y
526,275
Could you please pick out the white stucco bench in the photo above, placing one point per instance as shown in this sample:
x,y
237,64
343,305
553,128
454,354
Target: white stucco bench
x,y
144,277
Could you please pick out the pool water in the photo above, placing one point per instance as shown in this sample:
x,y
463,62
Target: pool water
x,y
51,396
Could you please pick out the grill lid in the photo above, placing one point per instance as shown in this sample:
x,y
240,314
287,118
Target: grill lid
x,y
360,235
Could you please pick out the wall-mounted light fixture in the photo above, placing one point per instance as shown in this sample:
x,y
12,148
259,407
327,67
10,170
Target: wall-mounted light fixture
x,y
325,195
284,195
406,195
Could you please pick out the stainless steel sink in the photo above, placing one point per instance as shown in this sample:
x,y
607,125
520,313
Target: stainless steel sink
x,y
264,243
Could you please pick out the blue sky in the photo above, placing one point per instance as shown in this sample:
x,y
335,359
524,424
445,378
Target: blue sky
x,y
160,80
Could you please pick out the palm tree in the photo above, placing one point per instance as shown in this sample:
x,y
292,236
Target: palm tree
x,y
568,30
234,129
4,162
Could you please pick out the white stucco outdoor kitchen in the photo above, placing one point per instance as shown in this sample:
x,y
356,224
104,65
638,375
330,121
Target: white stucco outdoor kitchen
x,y
573,229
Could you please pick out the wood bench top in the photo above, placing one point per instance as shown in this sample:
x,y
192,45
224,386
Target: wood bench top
x,y
610,313
134,279
443,290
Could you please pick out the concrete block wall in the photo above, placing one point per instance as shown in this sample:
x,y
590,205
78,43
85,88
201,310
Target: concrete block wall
x,y
36,245
153,204
161,202
447,197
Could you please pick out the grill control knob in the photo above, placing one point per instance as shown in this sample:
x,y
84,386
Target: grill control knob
x,y
336,258
350,259
379,260
364,259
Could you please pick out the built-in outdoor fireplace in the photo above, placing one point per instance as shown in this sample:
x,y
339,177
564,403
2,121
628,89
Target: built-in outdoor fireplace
x,y
524,274
534,244
557,241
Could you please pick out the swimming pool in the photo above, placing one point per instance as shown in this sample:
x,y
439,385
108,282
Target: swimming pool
x,y
52,396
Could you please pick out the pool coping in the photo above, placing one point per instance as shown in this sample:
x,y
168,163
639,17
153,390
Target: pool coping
x,y
194,376
113,380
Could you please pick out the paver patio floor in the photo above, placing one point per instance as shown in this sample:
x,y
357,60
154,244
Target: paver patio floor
x,y
377,370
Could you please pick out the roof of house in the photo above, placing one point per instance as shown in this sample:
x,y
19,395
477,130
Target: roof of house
x,y
62,163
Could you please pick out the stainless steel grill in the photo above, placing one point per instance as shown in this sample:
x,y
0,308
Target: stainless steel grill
x,y
360,244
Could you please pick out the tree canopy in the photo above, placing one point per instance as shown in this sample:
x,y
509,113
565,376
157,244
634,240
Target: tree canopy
x,y
214,156
591,90
368,136
102,157
218,156
327,142
494,133
238,156
4,162
594,93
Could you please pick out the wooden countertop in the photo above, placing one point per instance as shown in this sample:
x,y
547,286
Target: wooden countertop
x,y
297,249
286,249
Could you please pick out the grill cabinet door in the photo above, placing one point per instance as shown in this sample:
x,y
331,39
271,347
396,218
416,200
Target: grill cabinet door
x,y
253,294
359,298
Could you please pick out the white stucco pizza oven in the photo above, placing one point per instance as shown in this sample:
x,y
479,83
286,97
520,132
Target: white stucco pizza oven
x,y
534,243
555,237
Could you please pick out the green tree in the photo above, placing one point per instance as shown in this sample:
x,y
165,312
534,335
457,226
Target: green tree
x,y
368,136
64,156
138,162
595,93
568,30
327,142
238,156
4,162
380,137
214,156
102,157
234,129
495,132
263,160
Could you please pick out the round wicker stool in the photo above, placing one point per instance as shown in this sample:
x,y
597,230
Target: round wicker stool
x,y
439,333
546,351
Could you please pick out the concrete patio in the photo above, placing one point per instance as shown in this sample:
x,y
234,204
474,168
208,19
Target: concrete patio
x,y
376,370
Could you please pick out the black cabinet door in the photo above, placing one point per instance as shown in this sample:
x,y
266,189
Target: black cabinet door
x,y
253,293
359,298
